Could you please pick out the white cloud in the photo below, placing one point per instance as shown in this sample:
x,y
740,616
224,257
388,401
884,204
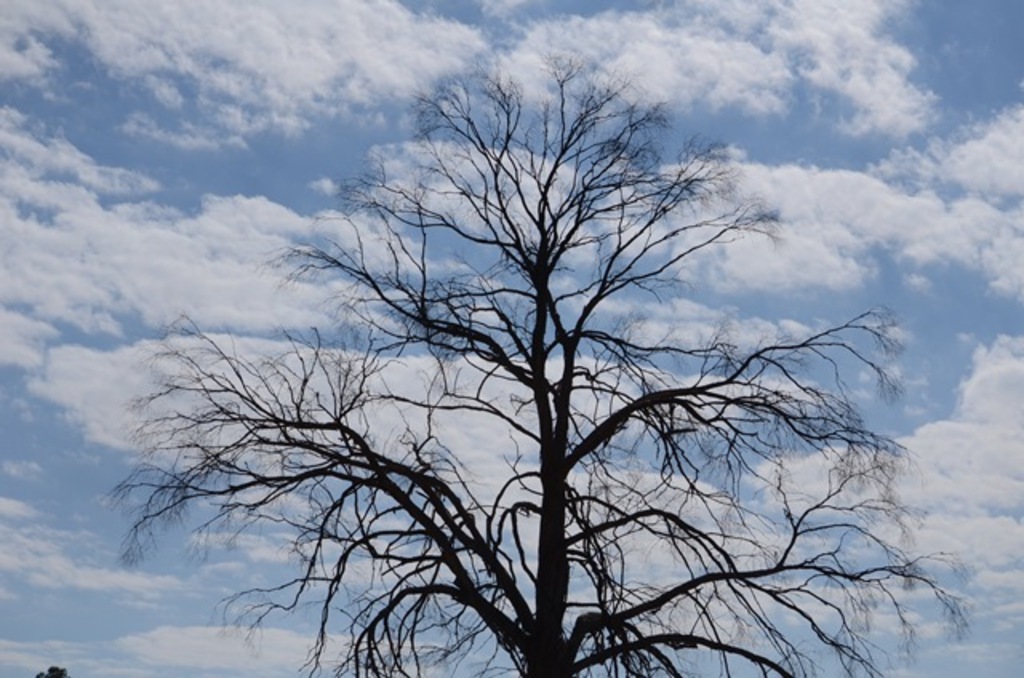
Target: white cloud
x,y
71,257
23,54
991,160
22,470
971,472
843,47
95,388
985,158
752,56
677,56
189,137
166,652
503,7
324,186
256,548
917,282
978,176
993,393
831,220
271,652
30,156
965,484
12,508
253,67
92,264
165,91
22,339
37,557
33,657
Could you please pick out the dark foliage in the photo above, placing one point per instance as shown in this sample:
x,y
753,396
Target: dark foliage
x,y
54,672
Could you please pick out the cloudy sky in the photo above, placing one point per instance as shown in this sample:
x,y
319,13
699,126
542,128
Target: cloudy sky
x,y
154,156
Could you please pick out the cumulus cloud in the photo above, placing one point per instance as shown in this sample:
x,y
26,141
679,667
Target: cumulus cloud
x,y
845,48
73,255
971,476
35,557
95,388
965,485
248,68
279,67
24,54
833,222
984,158
976,175
12,508
324,186
752,56
84,245
676,55
31,154
984,474
22,338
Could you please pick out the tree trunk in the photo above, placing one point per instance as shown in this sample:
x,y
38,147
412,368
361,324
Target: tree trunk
x,y
548,655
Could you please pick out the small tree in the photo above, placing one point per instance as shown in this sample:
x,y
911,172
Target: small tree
x,y
54,672
648,494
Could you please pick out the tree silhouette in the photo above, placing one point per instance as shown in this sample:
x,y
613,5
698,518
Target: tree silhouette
x,y
512,455
54,672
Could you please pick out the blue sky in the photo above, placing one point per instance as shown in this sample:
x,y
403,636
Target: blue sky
x,y
155,155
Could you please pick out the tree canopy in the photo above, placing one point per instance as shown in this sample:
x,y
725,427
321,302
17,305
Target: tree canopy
x,y
516,450
54,672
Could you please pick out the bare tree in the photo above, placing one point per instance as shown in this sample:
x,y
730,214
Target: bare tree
x,y
643,495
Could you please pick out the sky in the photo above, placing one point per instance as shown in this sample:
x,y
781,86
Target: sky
x,y
155,156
